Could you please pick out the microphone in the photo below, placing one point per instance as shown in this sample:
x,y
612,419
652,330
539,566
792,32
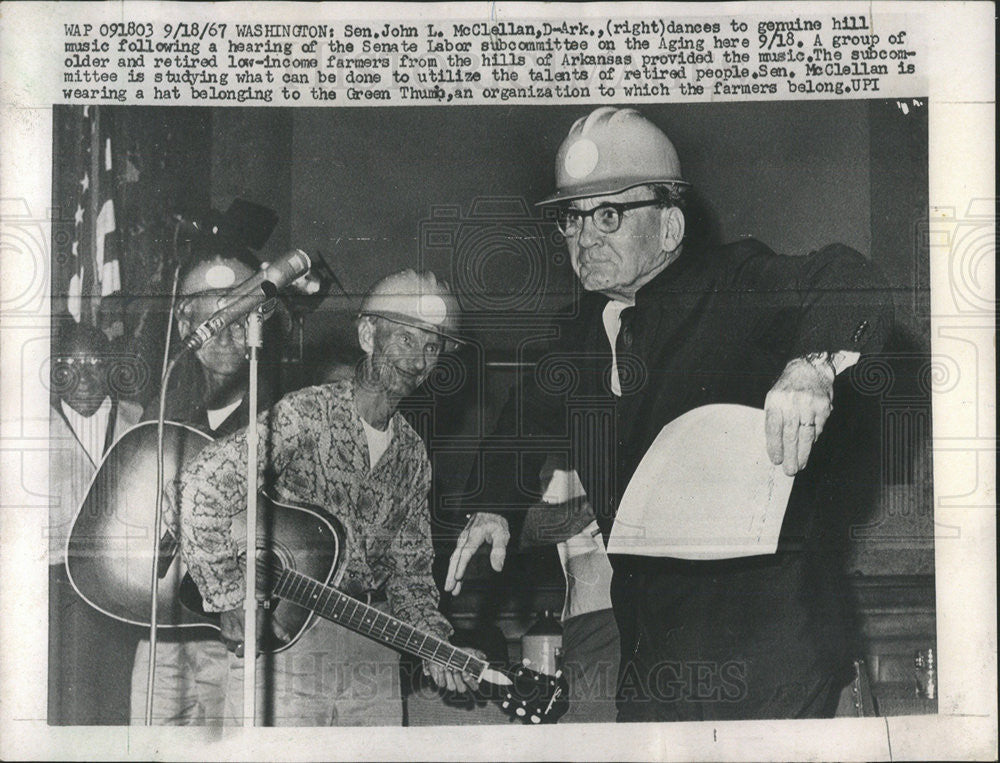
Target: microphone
x,y
251,294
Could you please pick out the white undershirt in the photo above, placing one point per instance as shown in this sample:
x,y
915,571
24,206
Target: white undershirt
x,y
612,325
217,415
378,441
91,431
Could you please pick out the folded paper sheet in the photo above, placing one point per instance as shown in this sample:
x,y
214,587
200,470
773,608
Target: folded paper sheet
x,y
704,490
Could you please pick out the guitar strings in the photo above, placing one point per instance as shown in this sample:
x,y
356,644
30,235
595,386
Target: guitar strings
x,y
315,596
292,585
361,613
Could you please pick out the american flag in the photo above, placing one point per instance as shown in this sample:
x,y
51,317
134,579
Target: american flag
x,y
95,249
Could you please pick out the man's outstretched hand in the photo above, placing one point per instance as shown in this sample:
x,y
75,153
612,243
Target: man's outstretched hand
x,y
482,528
796,408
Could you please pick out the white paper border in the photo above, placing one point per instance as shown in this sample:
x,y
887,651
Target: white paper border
x,y
961,90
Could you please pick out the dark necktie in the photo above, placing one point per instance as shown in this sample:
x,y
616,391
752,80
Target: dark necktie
x,y
623,349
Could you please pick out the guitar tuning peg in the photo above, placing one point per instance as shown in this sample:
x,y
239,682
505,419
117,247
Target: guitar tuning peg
x,y
520,712
506,704
535,719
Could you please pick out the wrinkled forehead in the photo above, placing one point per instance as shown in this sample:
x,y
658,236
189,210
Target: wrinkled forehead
x,y
632,194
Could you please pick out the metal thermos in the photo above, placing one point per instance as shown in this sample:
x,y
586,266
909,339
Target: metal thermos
x,y
542,644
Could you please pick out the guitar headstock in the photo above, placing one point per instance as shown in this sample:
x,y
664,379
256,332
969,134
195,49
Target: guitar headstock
x,y
535,697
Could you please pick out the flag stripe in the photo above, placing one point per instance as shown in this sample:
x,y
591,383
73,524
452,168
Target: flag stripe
x,y
95,267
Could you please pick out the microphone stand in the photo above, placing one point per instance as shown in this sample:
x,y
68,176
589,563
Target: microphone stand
x,y
154,583
255,340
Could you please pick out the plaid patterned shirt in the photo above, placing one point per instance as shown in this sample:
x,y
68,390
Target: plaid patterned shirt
x,y
313,449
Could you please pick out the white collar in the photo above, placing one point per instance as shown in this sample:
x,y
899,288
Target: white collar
x,y
91,431
216,416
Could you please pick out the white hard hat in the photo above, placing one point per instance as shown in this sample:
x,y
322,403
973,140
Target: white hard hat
x,y
415,299
610,151
217,273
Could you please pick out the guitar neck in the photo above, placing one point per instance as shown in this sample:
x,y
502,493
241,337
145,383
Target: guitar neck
x,y
338,607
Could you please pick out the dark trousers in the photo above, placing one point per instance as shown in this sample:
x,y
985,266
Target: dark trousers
x,y
808,697
591,656
90,660
720,643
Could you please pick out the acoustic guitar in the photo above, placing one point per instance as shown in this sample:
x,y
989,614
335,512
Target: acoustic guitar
x,y
300,556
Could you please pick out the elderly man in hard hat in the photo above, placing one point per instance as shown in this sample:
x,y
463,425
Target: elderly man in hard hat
x,y
208,391
344,447
666,326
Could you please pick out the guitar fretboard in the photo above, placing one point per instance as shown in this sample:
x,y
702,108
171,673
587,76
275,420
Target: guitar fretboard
x,y
334,605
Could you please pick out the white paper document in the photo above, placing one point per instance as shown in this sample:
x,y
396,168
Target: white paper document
x,y
704,490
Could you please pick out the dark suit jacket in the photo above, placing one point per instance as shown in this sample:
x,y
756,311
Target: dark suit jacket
x,y
716,326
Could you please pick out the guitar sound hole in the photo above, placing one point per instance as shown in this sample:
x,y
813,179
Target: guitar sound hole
x,y
271,563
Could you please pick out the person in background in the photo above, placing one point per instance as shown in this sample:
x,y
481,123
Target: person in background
x,y
591,650
208,391
345,447
88,668
665,326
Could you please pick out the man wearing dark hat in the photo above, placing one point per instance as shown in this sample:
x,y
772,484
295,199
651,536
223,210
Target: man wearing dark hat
x,y
663,328
342,446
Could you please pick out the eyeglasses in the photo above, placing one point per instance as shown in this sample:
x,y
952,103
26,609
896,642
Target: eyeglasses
x,y
607,216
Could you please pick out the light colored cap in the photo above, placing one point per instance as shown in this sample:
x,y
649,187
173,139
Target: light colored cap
x,y
415,299
217,273
610,151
